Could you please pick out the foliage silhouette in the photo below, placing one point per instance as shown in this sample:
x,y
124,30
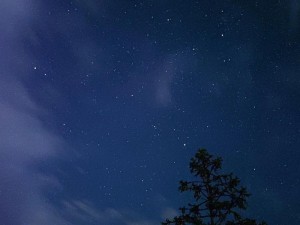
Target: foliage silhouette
x,y
218,198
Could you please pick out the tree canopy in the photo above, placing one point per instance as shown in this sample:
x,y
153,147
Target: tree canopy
x,y
219,198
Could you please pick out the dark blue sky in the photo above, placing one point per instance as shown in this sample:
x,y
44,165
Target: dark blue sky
x,y
103,103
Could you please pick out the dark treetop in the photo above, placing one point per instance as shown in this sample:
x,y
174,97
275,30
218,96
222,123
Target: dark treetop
x,y
218,198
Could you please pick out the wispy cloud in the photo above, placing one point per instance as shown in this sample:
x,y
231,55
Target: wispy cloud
x,y
169,213
24,139
26,142
85,212
163,91
164,76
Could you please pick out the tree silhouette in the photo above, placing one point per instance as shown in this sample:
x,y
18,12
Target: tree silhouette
x,y
218,198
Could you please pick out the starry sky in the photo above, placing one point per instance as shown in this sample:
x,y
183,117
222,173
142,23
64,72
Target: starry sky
x,y
104,102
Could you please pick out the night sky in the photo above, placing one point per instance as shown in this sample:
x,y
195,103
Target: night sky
x,y
104,102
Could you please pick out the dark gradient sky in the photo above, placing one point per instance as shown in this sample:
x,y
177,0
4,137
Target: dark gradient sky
x,y
103,103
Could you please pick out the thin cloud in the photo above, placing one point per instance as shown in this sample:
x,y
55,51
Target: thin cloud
x,y
163,82
85,212
25,141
